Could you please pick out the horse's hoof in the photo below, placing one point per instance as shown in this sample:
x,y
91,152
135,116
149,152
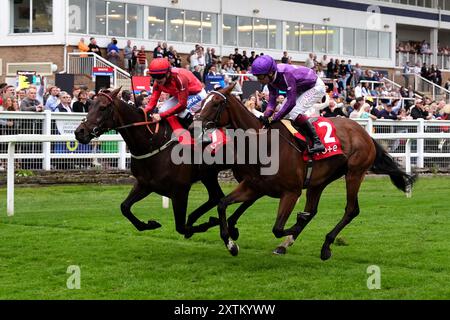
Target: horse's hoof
x,y
280,251
152,225
234,233
188,235
325,254
233,248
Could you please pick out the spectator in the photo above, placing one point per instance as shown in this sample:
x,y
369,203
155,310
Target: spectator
x,y
142,101
330,69
30,103
177,59
237,58
197,73
252,57
83,103
113,52
64,106
53,99
141,62
285,57
93,47
83,47
157,51
324,62
245,61
309,63
134,59
128,57
419,112
333,110
387,112
127,97
251,105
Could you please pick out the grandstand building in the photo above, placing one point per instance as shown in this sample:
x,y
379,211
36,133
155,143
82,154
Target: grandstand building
x,y
39,33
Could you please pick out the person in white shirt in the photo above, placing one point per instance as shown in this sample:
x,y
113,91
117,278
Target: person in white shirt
x,y
358,90
309,63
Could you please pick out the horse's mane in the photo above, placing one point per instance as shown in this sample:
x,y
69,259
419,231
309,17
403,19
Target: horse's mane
x,y
239,103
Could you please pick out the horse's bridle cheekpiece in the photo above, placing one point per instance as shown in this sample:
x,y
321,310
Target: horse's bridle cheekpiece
x,y
221,108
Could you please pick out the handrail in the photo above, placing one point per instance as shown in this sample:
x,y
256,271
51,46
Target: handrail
x,y
96,56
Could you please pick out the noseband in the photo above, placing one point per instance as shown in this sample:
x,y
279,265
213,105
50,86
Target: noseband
x,y
97,131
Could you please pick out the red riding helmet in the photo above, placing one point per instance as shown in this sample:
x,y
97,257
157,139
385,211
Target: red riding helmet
x,y
159,66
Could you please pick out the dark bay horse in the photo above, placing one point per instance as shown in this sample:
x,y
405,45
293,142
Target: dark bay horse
x,y
360,153
151,164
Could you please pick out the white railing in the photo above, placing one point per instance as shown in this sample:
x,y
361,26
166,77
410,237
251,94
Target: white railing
x,y
412,58
79,63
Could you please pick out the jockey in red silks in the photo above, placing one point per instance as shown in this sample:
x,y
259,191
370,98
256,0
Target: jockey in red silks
x,y
304,89
186,91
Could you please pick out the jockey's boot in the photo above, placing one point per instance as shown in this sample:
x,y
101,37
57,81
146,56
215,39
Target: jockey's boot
x,y
309,129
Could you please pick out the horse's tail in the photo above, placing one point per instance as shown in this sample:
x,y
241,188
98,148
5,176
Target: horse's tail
x,y
385,164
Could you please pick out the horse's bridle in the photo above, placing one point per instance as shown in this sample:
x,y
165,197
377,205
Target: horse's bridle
x,y
98,130
222,106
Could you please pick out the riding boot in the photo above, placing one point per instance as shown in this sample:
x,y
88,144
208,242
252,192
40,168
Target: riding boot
x,y
309,129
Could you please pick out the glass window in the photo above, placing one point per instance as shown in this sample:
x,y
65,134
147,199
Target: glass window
x,y
21,16
209,28
135,21
412,2
175,19
372,43
276,35
306,37
260,32
245,31
292,36
157,23
447,5
333,39
116,19
428,3
42,15
78,16
97,17
404,1
349,42
320,38
360,43
229,30
385,45
192,27
421,3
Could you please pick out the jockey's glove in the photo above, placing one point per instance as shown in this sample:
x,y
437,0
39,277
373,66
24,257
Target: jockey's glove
x,y
265,121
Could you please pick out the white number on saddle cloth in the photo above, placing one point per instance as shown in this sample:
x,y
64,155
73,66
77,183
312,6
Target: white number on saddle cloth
x,y
328,138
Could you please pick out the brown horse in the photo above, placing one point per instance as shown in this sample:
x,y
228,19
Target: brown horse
x,y
151,165
360,153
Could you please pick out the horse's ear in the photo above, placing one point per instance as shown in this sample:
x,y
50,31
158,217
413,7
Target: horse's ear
x,y
115,93
230,88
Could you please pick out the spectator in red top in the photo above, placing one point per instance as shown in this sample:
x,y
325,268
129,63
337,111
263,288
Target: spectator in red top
x,y
186,90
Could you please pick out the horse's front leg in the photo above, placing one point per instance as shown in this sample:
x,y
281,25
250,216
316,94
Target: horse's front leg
x,y
138,193
287,203
243,193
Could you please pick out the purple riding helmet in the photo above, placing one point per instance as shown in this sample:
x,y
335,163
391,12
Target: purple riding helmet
x,y
264,65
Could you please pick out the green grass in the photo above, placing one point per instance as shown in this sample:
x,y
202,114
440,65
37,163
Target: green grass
x,y
55,227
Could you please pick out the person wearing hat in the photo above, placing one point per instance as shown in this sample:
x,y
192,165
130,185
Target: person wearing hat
x,y
419,112
186,90
304,89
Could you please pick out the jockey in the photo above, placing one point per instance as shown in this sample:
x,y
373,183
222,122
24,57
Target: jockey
x,y
304,89
186,91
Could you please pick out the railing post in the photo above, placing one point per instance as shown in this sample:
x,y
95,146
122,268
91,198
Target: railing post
x,y
46,146
122,155
420,144
10,179
68,63
408,165
115,78
369,127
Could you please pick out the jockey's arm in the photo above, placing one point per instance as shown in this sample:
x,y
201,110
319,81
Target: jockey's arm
x,y
153,99
291,98
183,95
272,103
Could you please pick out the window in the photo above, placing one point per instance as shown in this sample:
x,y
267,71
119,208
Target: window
x,y
260,33
116,19
372,44
209,28
447,5
41,19
78,16
360,43
157,23
349,42
229,30
320,38
276,35
292,36
135,21
175,20
306,37
97,17
192,26
333,40
385,45
245,31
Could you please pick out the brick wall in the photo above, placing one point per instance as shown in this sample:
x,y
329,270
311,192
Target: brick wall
x,y
54,54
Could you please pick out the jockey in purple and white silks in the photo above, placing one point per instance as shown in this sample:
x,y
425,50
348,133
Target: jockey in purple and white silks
x,y
303,87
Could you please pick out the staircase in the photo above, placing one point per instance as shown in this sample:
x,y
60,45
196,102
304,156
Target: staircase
x,y
82,64
423,86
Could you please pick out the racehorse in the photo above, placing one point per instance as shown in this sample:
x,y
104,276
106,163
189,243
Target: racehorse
x,y
360,153
150,145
